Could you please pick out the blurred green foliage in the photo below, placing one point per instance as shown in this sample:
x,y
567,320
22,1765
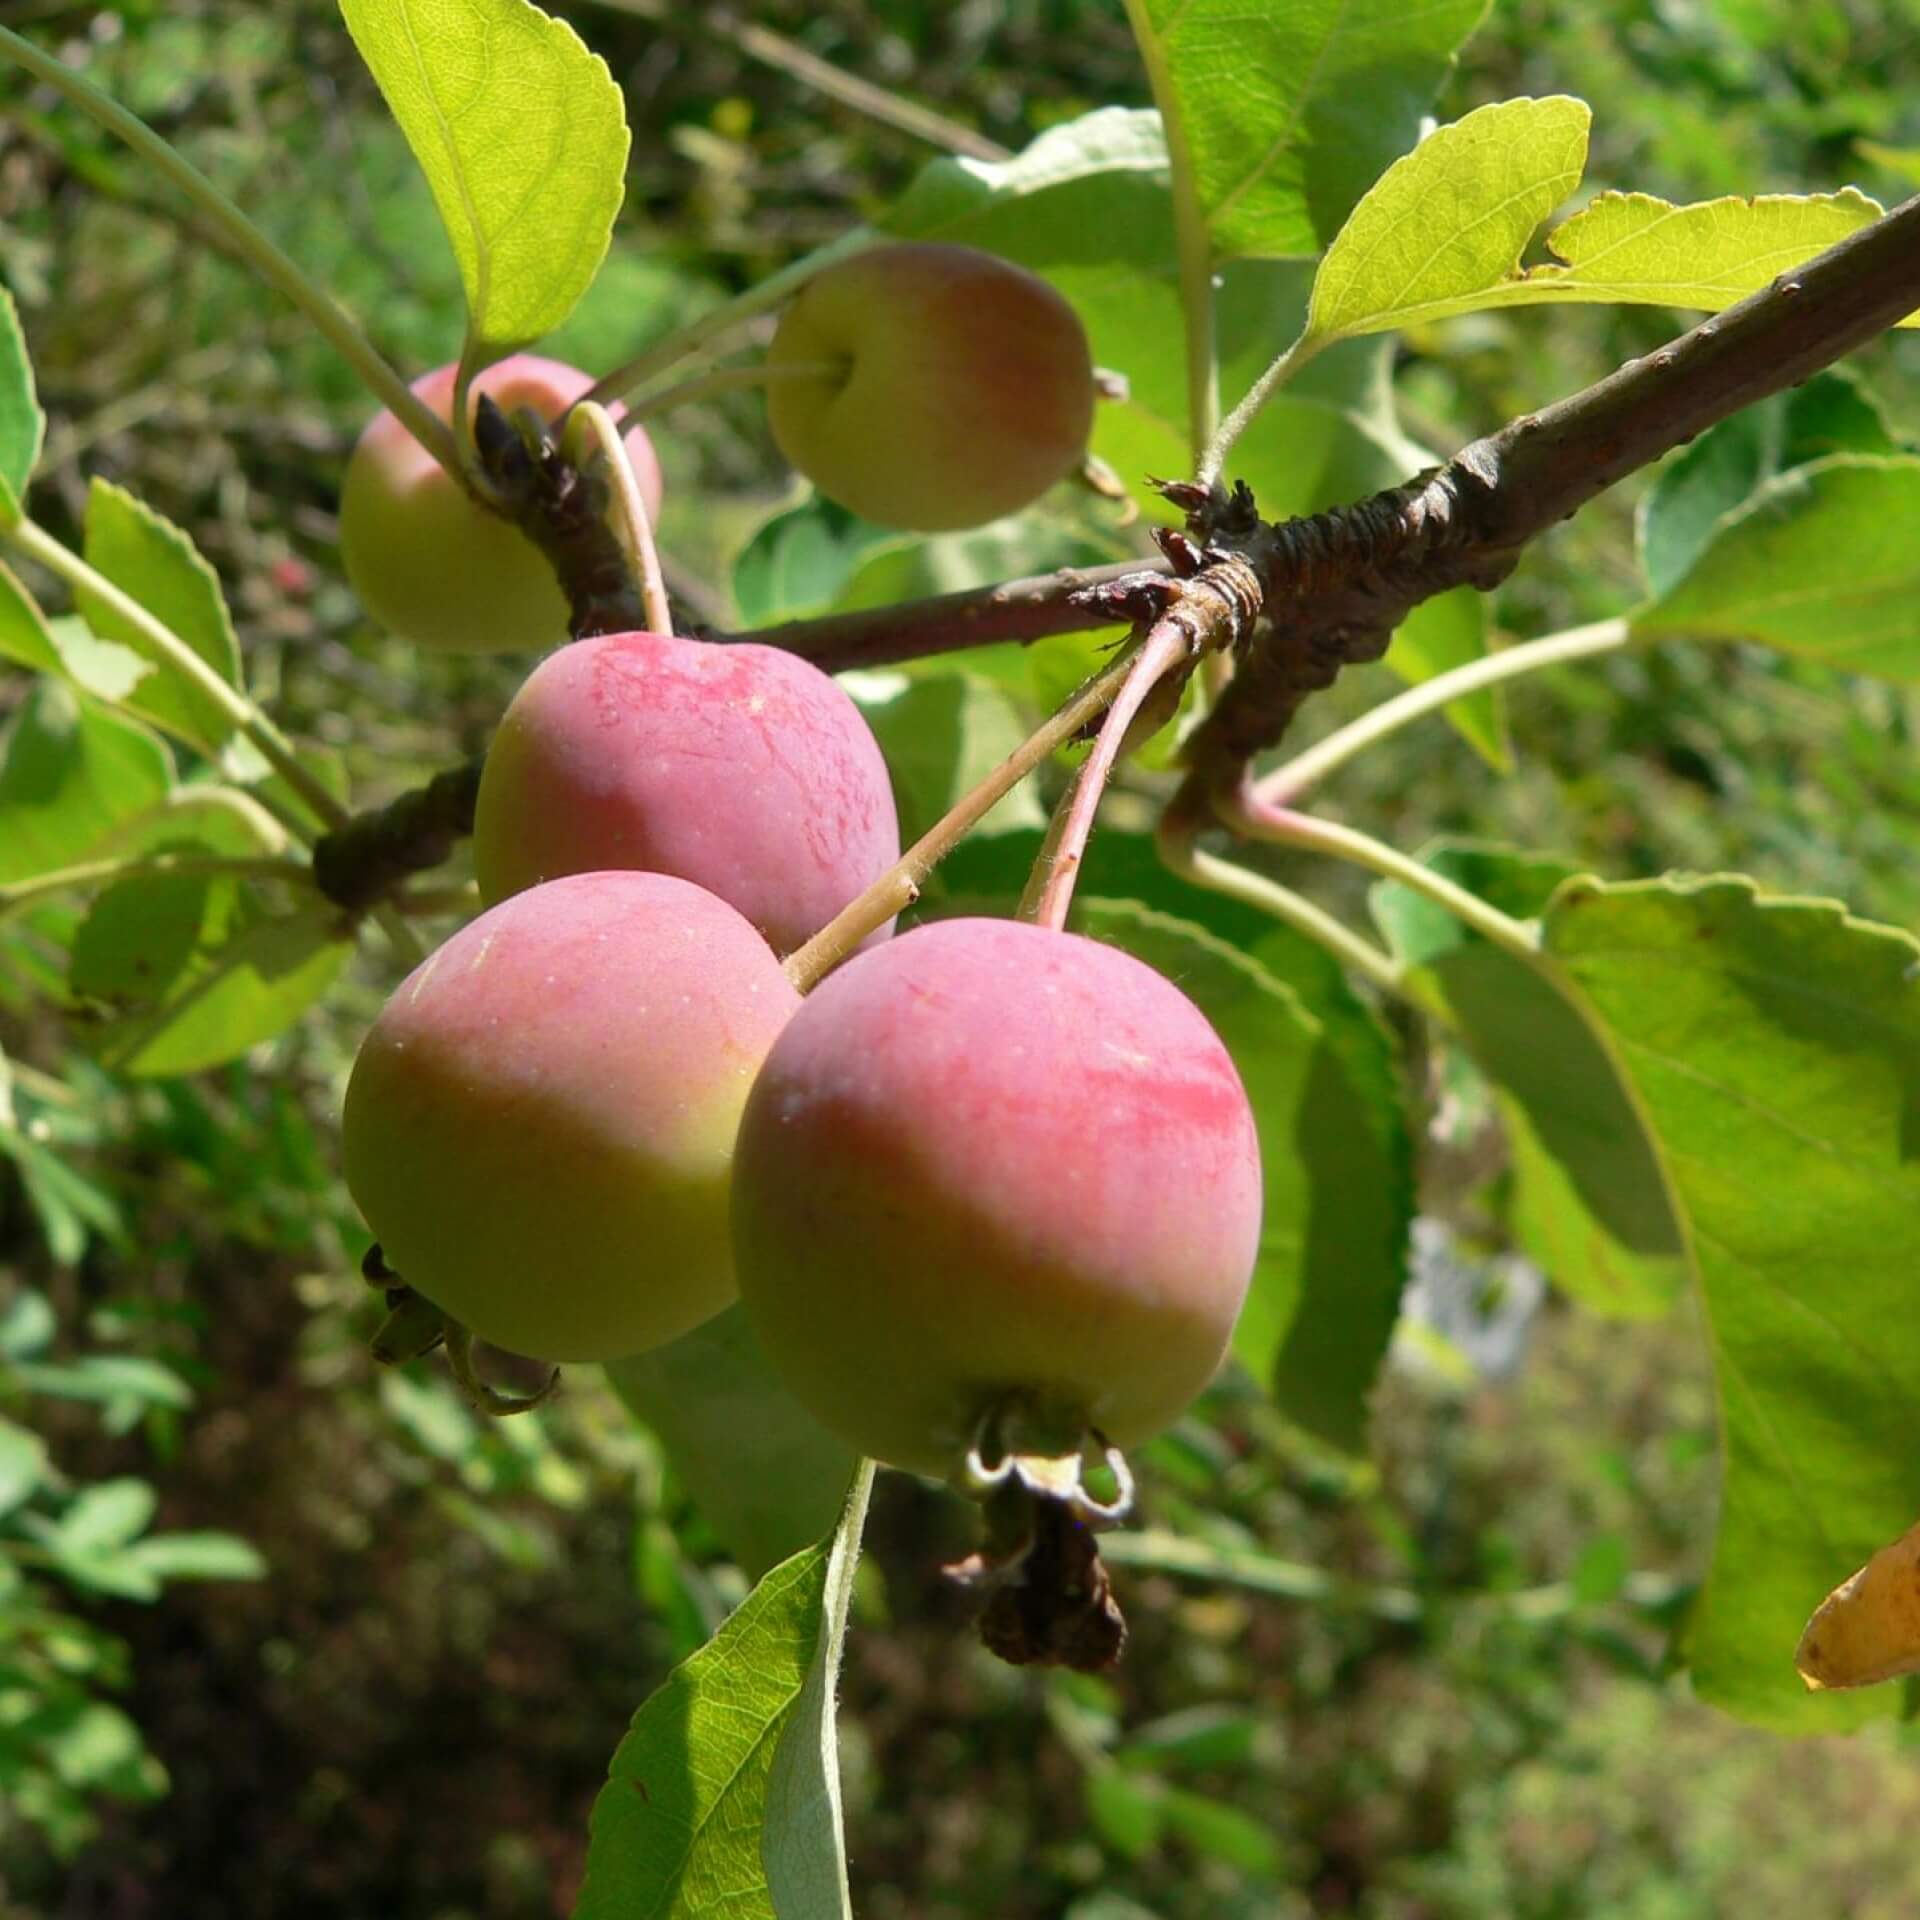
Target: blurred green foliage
x,y
1430,1688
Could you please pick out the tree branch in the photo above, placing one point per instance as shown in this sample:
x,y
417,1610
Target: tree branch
x,y
1029,609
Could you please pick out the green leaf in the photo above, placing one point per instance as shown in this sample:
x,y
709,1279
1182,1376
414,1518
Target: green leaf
x,y
22,425
23,1460
1775,1047
197,969
198,1556
1440,634
71,775
801,560
108,1515
1124,1812
1833,412
1281,116
681,1831
1203,1738
1591,1205
942,733
148,558
1326,1288
106,1378
1819,562
1486,182
766,1476
522,135
1447,223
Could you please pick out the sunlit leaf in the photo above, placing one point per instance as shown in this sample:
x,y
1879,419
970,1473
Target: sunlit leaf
x,y
522,134
1633,247
1283,115
677,1832
149,559
1448,222
1821,561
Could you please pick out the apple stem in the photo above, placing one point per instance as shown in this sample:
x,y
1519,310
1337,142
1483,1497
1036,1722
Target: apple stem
x,y
1056,869
899,887
632,526
762,297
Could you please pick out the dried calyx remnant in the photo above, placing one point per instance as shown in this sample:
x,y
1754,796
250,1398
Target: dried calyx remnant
x,y
1049,1598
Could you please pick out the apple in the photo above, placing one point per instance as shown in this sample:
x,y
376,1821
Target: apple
x,y
427,560
961,386
990,1168
740,768
539,1125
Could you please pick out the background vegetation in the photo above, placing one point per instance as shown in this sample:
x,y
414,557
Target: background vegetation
x,y
1435,1691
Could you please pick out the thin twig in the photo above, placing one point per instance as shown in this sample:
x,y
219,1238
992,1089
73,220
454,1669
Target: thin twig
x,y
1056,869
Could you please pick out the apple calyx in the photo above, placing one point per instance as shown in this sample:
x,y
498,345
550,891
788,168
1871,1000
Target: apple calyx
x,y
1050,1598
414,1326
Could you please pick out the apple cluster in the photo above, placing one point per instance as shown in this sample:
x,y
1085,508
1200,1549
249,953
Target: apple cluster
x,y
982,1166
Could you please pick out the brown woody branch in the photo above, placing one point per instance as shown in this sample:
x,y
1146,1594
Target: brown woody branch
x,y
1029,609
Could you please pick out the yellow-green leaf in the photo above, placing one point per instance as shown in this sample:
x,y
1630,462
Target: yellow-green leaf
x,y
1630,247
522,135
1446,223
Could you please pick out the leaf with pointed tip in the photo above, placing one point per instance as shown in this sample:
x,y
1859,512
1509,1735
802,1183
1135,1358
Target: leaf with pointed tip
x,y
1445,226
522,135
